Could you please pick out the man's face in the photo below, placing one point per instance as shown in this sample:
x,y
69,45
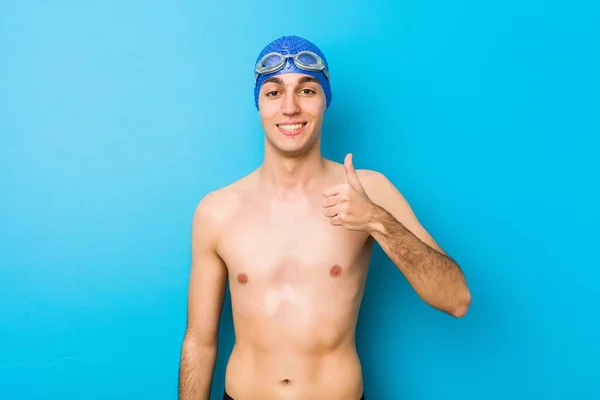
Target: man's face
x,y
291,109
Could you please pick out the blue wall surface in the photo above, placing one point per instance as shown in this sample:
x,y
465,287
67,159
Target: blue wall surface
x,y
116,117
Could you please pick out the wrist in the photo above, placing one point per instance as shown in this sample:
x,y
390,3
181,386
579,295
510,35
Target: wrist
x,y
376,225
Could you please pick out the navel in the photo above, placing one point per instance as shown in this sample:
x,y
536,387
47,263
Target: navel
x,y
242,278
336,270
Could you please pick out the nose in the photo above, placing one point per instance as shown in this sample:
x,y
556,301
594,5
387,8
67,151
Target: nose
x,y
290,104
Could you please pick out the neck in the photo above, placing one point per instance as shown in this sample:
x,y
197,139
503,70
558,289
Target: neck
x,y
287,175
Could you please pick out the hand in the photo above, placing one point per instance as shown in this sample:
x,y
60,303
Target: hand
x,y
347,204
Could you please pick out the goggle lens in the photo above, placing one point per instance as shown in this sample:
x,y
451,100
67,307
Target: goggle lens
x,y
304,59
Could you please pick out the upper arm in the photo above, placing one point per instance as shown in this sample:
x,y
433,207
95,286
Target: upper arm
x,y
383,193
208,275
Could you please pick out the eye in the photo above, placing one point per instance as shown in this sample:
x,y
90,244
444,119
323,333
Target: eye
x,y
271,93
307,91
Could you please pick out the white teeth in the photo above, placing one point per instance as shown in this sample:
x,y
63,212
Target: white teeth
x,y
291,127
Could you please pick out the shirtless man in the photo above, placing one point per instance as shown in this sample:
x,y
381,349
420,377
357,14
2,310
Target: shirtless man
x,y
293,239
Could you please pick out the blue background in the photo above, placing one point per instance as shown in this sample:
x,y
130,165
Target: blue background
x,y
117,117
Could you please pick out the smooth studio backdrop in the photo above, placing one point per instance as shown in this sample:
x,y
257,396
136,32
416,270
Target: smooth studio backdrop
x,y
116,117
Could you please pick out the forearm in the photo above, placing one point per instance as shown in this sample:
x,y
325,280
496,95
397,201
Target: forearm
x,y
436,278
196,370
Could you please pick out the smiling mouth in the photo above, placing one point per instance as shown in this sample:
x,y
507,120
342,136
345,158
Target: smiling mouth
x,y
291,129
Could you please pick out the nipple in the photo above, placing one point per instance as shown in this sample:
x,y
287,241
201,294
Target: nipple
x,y
336,270
242,278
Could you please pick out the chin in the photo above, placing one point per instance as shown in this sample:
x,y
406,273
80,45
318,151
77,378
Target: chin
x,y
294,148
290,148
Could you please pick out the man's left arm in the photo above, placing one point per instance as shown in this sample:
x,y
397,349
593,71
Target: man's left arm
x,y
436,277
369,202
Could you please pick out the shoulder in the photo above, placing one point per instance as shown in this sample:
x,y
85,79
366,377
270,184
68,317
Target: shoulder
x,y
370,175
374,181
382,191
367,176
217,207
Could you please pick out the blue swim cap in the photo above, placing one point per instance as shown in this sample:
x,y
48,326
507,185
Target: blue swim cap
x,y
292,45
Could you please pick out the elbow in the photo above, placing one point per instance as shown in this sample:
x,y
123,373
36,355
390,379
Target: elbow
x,y
461,306
200,339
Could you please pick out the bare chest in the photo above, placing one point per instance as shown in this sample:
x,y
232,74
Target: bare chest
x,y
276,244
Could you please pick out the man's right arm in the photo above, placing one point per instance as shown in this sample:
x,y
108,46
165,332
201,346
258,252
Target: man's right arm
x,y
205,301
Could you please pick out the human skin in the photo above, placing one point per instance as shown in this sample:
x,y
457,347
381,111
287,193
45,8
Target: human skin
x,y
293,238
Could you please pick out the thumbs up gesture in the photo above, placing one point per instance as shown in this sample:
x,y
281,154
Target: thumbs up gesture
x,y
347,204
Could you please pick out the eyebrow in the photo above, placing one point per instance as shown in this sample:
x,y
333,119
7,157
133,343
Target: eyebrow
x,y
273,80
305,79
302,80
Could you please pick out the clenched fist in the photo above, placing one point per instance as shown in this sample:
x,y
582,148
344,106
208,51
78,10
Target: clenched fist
x,y
347,204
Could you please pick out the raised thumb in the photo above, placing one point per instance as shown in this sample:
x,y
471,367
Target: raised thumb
x,y
351,174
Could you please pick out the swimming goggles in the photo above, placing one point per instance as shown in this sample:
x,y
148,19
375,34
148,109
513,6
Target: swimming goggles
x,y
306,60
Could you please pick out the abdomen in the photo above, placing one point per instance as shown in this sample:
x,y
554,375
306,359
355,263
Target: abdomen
x,y
293,374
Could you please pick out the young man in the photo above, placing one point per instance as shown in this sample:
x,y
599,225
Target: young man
x,y
294,239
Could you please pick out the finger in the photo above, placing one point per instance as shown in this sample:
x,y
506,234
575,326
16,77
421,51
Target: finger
x,y
332,211
335,221
333,190
331,201
351,174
